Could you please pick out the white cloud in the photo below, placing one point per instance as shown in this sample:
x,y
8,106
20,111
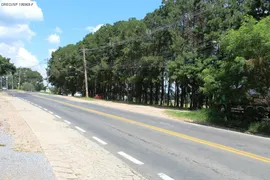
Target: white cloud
x,y
20,13
94,29
18,54
14,30
22,58
58,30
54,39
51,51
26,58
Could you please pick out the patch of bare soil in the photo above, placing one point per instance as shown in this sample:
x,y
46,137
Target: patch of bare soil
x,y
24,139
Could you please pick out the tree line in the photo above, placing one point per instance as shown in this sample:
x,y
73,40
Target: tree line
x,y
187,53
19,78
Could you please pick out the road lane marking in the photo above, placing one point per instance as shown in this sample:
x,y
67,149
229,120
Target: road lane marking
x,y
164,176
132,159
80,129
67,122
57,116
99,140
45,109
50,112
169,132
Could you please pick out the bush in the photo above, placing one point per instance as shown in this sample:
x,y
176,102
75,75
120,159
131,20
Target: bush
x,y
260,127
28,86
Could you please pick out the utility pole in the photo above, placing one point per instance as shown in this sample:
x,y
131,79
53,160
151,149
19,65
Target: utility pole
x,y
85,73
1,81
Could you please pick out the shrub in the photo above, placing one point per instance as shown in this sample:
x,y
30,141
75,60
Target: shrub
x,y
28,86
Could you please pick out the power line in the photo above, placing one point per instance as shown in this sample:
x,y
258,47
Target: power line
x,y
39,63
159,28
139,38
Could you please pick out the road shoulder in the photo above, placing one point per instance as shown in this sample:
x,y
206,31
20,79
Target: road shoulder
x,y
21,156
70,153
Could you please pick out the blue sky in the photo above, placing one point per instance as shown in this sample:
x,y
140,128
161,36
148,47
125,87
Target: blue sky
x,y
72,17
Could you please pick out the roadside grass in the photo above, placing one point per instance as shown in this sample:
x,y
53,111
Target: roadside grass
x,y
204,116
2,145
212,118
260,127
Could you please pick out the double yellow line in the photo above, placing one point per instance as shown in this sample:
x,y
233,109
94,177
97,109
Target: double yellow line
x,y
165,131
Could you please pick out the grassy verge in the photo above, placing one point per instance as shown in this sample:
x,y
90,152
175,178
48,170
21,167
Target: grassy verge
x,y
260,128
212,118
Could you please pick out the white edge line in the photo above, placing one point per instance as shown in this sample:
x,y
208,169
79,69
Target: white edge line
x,y
164,176
57,116
80,129
132,159
99,140
50,112
67,122
45,109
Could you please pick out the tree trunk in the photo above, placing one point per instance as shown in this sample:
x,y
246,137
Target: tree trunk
x,y
157,94
169,92
206,102
145,95
139,93
201,100
177,94
162,90
151,93
72,93
183,93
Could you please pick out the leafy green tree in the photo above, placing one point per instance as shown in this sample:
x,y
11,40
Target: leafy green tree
x,y
23,75
6,66
259,8
194,52
26,86
248,52
65,69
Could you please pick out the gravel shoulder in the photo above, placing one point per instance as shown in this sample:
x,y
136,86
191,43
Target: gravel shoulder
x,y
21,156
70,154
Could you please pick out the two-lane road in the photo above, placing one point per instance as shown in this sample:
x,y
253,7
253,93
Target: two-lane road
x,y
161,148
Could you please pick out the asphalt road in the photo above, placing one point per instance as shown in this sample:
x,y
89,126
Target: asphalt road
x,y
161,148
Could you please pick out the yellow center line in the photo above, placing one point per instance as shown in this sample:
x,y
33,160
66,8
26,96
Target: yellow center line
x,y
176,134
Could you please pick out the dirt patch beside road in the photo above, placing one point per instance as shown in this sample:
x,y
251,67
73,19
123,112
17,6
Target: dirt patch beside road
x,y
24,139
21,156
